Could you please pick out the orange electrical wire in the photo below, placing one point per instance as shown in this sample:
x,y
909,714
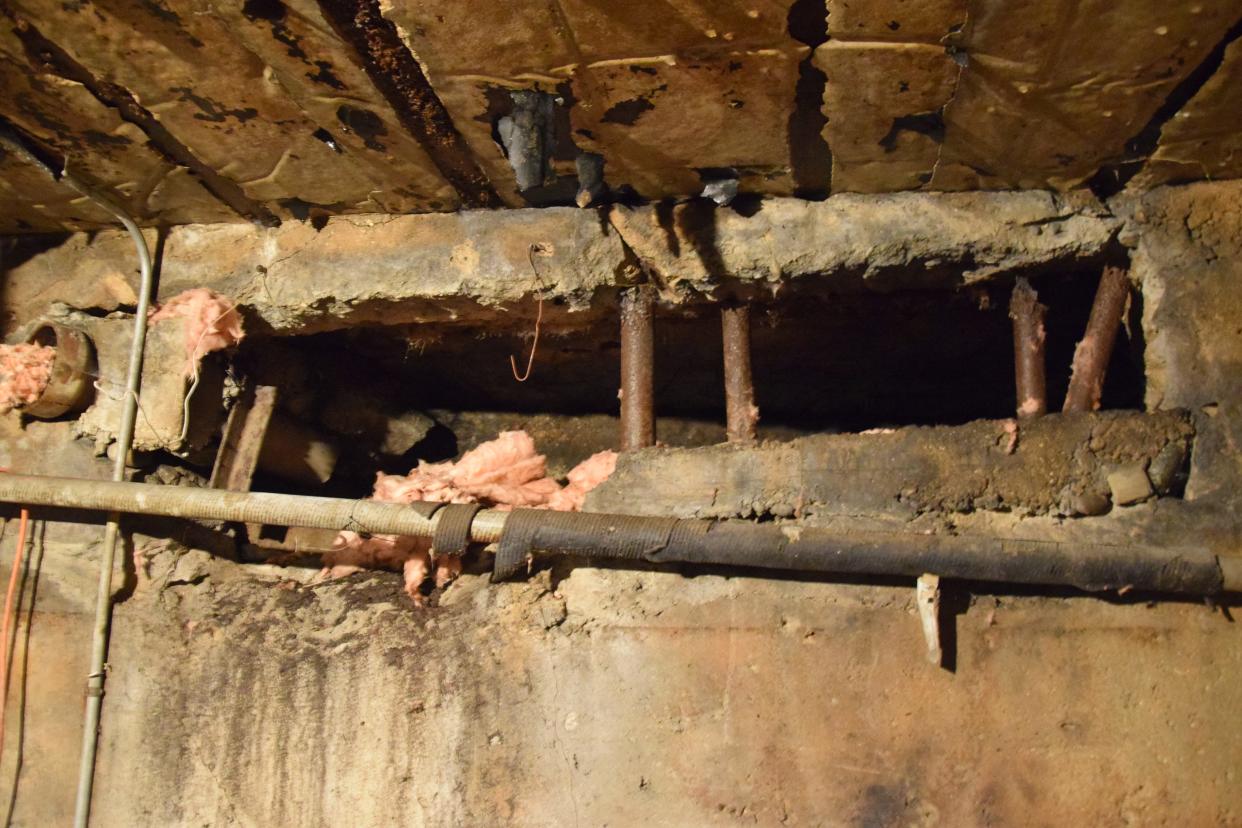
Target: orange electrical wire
x,y
7,625
530,362
533,345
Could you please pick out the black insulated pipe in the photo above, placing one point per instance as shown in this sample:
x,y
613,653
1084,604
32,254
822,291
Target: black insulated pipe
x,y
529,534
523,535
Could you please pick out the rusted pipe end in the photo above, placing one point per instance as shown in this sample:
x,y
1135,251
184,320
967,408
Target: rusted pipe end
x,y
637,369
741,413
1028,349
1096,347
69,387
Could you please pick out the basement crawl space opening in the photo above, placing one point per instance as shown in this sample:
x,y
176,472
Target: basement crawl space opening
x,y
822,363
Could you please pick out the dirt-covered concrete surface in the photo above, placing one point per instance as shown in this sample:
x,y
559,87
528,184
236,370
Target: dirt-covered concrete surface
x,y
888,243
600,697
1060,464
1188,258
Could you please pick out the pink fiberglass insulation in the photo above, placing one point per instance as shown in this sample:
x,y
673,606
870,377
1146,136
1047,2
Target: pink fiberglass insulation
x,y
582,479
212,323
25,371
504,473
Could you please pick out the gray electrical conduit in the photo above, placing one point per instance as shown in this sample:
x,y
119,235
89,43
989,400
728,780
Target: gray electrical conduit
x,y
99,643
124,441
525,534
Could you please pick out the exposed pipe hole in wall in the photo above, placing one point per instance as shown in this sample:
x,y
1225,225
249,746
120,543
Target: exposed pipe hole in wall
x,y
822,363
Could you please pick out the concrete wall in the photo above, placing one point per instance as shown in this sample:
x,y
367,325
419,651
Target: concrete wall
x,y
239,695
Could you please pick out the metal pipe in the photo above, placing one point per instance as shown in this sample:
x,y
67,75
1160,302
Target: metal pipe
x,y
637,369
1096,346
1028,349
524,534
370,516
741,414
125,439
124,442
1097,565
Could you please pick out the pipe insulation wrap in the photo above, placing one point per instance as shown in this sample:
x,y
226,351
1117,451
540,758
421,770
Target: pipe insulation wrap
x,y
371,516
531,533
525,534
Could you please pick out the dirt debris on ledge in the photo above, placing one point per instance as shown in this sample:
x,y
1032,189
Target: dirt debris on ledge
x,y
1058,464
265,605
899,241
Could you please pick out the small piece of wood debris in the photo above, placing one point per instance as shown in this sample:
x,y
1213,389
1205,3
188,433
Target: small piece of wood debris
x,y
927,595
1130,485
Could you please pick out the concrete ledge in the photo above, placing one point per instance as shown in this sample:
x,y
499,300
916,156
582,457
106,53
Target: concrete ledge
x,y
459,268
1056,464
890,242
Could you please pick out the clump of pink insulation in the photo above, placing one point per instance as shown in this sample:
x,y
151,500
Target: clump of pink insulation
x,y
213,323
25,371
582,479
504,473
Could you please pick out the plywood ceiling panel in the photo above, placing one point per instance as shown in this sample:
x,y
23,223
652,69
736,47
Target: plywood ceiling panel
x,y
1055,90
884,103
1204,139
92,139
657,122
213,96
219,110
320,74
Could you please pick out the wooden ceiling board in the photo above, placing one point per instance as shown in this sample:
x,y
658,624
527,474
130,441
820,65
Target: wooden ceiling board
x,y
1055,90
321,74
214,96
101,148
1204,139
